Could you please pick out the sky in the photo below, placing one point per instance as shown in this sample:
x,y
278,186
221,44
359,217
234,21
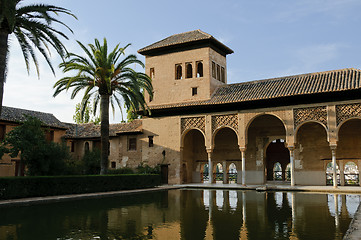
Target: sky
x,y
269,39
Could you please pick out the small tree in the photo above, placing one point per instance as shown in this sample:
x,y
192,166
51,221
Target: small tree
x,y
86,117
91,162
131,114
37,155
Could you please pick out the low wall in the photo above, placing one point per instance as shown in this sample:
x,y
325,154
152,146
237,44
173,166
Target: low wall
x,y
310,178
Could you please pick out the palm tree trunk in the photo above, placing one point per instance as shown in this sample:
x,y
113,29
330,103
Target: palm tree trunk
x,y
3,58
104,132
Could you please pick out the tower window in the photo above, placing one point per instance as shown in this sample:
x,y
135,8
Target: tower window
x,y
152,73
150,141
223,75
178,71
189,69
218,72
213,70
194,91
72,147
199,69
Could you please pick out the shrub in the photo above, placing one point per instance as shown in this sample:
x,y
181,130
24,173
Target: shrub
x,y
146,169
124,170
91,162
22,187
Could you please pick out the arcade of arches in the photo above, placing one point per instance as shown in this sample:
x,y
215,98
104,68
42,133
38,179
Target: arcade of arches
x,y
297,147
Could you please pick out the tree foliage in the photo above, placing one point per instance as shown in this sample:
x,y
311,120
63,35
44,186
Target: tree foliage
x,y
132,114
38,156
32,26
87,116
108,79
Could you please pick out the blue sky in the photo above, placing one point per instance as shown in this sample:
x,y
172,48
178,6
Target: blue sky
x,y
269,38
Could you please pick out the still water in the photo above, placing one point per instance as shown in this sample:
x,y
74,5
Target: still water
x,y
185,214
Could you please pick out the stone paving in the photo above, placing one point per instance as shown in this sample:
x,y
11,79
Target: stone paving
x,y
273,187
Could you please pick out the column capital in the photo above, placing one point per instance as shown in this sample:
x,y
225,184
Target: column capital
x,y
242,149
209,150
333,146
291,148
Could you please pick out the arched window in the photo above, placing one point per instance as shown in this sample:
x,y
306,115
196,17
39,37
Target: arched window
x,y
288,172
351,174
219,173
178,71
199,69
329,174
189,69
205,173
232,173
86,147
277,172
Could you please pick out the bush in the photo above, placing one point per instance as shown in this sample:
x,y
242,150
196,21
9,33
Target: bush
x,y
146,169
124,170
91,162
49,160
22,187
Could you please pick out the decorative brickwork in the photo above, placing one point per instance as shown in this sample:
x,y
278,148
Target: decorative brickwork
x,y
193,122
318,114
225,120
346,111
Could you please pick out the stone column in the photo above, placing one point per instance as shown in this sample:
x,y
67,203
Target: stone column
x,y
210,166
292,162
225,174
243,153
334,165
342,174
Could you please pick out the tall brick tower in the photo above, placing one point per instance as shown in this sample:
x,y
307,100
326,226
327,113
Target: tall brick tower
x,y
185,67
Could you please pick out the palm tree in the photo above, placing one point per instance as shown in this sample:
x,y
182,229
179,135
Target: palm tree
x,y
107,79
31,25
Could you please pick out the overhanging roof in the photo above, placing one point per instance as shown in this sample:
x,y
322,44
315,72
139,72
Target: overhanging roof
x,y
183,39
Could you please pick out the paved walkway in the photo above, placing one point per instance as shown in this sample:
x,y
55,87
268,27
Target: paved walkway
x,y
273,187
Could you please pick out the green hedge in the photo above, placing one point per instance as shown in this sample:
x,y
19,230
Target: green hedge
x,y
22,187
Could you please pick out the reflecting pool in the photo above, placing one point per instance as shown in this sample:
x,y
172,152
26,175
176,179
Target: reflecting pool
x,y
186,214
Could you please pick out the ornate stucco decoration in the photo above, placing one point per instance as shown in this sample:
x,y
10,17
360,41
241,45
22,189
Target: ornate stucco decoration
x,y
318,114
230,120
346,111
193,122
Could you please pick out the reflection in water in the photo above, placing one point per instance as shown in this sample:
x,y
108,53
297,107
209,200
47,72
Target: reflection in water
x,y
186,214
219,198
233,200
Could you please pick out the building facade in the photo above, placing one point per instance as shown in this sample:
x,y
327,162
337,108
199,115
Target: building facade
x,y
281,129
299,130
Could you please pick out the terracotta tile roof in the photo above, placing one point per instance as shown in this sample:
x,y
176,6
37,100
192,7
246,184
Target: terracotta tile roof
x,y
90,130
297,85
182,38
18,115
